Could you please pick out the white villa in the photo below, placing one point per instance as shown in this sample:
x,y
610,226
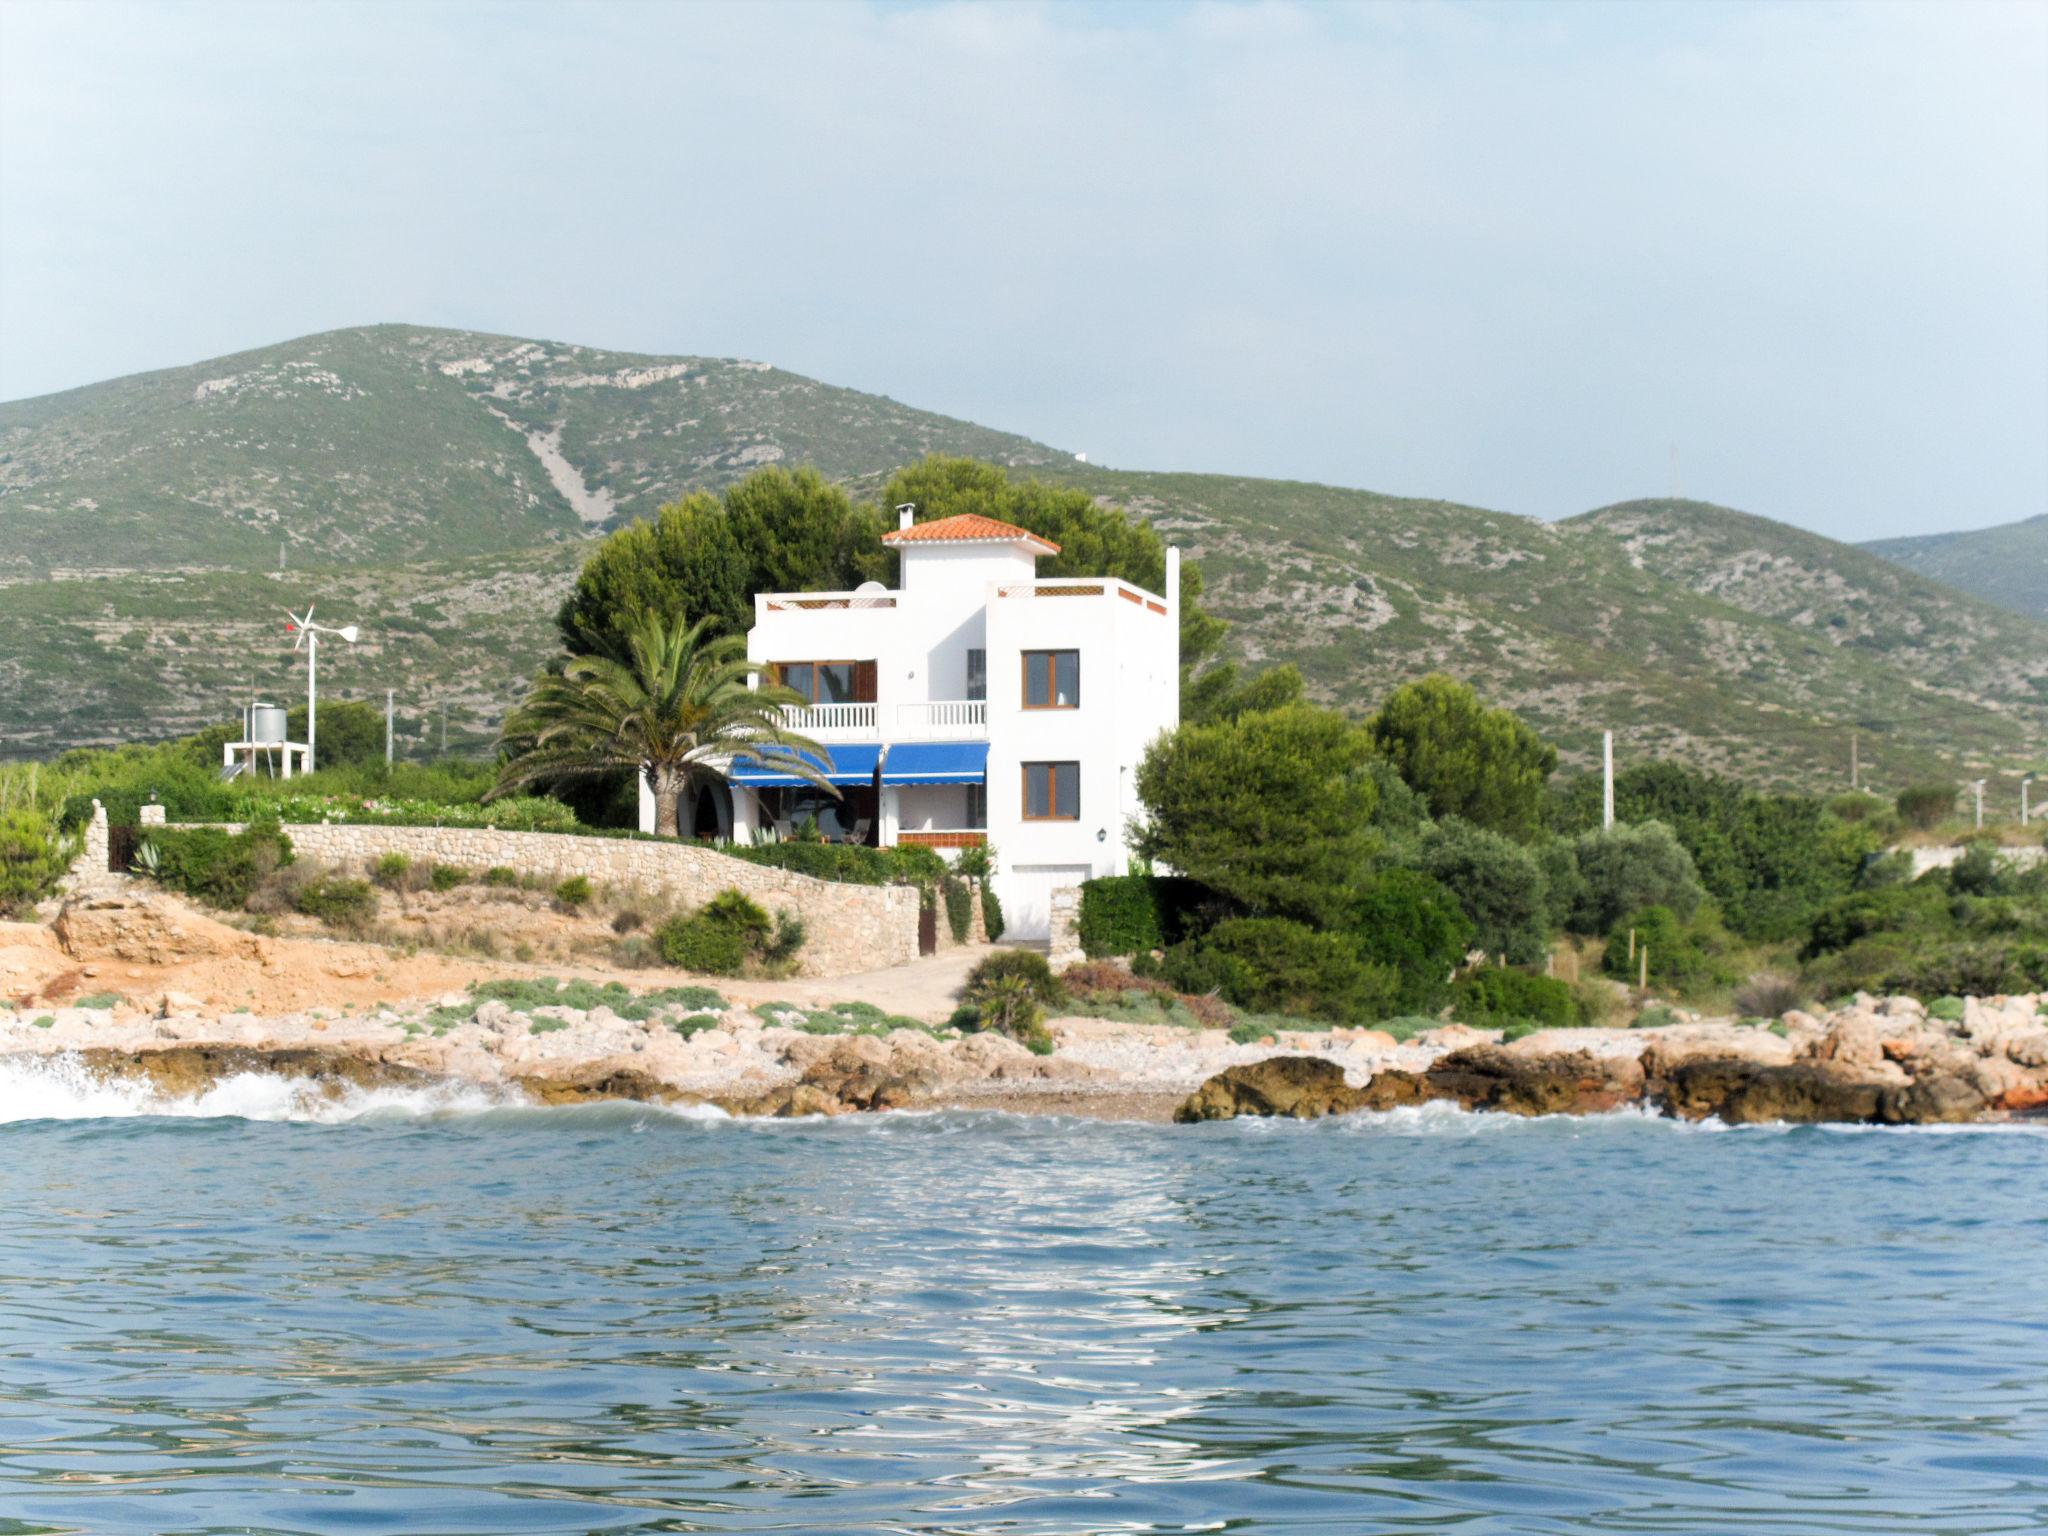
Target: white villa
x,y
975,703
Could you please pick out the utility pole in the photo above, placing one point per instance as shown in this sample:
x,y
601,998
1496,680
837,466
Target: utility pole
x,y
444,730
2026,782
1607,779
389,695
1855,768
1977,789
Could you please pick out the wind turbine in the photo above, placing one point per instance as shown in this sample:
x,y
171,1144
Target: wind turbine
x,y
309,635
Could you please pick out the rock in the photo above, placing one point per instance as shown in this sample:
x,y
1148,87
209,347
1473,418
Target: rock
x,y
145,931
1295,1087
1452,1037
602,1083
2028,1050
1567,1083
1744,1092
1854,1043
184,1071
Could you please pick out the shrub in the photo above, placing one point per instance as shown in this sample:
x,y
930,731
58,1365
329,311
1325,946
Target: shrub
x,y
977,861
574,892
1856,806
1769,994
339,902
1686,957
219,868
1926,806
1024,964
1010,1005
1629,867
1493,996
446,877
992,920
849,863
1403,920
959,907
390,870
1277,965
1948,1009
1498,884
1134,914
31,859
499,875
729,936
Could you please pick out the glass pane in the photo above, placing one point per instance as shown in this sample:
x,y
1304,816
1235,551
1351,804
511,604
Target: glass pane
x,y
797,675
1037,680
977,806
835,682
977,674
1067,678
1067,777
1037,790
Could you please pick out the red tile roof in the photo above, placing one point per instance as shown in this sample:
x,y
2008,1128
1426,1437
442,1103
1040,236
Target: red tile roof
x,y
968,527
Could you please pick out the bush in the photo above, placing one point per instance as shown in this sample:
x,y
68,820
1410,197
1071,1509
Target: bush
x,y
849,863
1629,867
339,902
574,892
1856,806
446,877
729,936
1769,994
1492,997
219,868
499,875
1277,965
959,907
1498,884
1024,964
1008,1005
31,859
391,870
1926,806
992,920
1684,957
1135,914
1403,920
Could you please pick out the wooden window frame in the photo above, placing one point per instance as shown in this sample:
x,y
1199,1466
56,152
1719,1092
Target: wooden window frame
x,y
1052,678
863,670
1052,789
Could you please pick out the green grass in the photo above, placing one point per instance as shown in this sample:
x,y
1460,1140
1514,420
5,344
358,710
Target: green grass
x,y
853,1018
549,992
99,1000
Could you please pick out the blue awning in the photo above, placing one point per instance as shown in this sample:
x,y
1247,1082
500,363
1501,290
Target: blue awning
x,y
936,762
840,765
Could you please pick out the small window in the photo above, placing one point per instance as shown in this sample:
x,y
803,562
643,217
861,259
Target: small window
x,y
1052,791
1052,679
829,682
977,674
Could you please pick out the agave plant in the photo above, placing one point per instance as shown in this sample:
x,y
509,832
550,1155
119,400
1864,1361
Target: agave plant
x,y
148,861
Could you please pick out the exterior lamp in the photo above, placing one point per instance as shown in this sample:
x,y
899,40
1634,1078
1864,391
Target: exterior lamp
x,y
1102,834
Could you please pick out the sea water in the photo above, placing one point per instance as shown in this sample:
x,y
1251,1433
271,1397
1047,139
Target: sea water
x,y
436,1313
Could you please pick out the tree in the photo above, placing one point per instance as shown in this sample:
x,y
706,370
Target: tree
x,y
1094,539
1927,806
1498,884
350,734
1219,694
706,556
676,708
1404,919
1272,810
1483,765
1629,867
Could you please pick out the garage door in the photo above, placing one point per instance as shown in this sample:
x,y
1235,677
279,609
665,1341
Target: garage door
x,y
1027,897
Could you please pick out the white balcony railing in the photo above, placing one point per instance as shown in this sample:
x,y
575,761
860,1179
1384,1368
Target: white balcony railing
x,y
1068,586
943,719
831,719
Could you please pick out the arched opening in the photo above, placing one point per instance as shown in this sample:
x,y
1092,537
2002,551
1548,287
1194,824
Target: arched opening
x,y
711,816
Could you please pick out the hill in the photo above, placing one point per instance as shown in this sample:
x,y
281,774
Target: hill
x,y
445,484
2007,565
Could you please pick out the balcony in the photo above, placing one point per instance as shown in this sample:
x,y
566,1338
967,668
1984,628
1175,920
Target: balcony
x,y
1068,586
942,720
935,720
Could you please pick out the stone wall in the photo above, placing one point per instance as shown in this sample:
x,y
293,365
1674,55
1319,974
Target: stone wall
x,y
1925,859
1064,945
849,928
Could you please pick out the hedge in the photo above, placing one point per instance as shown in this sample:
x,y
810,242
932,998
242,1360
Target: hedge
x,y
1136,914
1493,996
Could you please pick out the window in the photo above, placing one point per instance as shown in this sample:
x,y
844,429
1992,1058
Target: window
x,y
1052,679
1052,791
830,682
977,806
977,674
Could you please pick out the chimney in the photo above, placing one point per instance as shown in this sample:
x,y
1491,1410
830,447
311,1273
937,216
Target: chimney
x,y
906,515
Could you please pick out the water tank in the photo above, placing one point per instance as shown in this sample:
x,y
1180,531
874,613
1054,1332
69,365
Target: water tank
x,y
266,725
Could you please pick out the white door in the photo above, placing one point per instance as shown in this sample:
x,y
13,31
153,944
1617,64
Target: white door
x,y
1026,893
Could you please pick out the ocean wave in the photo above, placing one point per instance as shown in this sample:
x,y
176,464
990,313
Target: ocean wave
x,y
64,1088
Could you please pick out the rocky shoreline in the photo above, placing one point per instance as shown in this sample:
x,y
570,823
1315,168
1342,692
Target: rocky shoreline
x,y
1878,1061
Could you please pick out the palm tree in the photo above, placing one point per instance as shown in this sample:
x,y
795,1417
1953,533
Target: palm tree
x,y
673,704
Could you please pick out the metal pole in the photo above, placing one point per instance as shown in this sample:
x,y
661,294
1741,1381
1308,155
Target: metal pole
x,y
1855,768
1607,773
312,673
389,695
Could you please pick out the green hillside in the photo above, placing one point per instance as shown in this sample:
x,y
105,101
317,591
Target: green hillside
x,y
408,471
2007,565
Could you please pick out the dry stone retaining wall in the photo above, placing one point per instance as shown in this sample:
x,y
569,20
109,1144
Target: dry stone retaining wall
x,y
848,928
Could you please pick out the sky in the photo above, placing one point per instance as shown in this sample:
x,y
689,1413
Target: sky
x,y
1789,258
